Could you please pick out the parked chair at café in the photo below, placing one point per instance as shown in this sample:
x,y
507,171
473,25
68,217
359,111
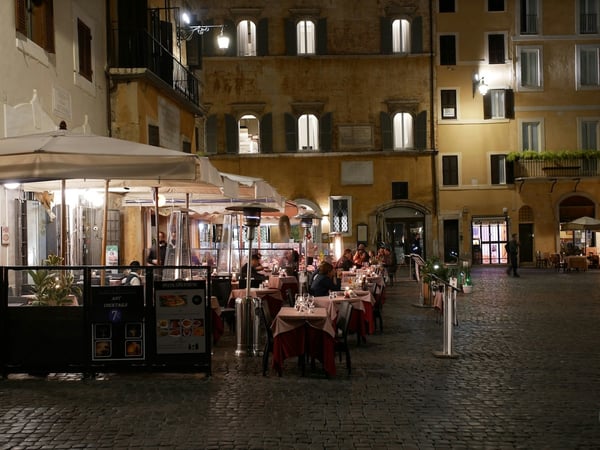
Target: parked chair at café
x,y
221,288
341,340
290,297
378,306
264,316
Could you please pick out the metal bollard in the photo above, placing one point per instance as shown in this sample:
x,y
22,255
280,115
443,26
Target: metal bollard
x,y
244,311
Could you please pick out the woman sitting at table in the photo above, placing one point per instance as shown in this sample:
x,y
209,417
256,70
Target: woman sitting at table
x,y
324,281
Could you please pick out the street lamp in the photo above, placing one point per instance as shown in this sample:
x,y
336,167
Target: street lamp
x,y
187,32
244,338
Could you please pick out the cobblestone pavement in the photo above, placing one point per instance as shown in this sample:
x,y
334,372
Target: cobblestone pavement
x,y
527,376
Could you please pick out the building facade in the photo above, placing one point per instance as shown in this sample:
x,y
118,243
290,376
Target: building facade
x,y
333,104
517,78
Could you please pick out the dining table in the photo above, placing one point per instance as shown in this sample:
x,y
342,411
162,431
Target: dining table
x,y
361,320
309,333
273,297
576,263
283,283
218,328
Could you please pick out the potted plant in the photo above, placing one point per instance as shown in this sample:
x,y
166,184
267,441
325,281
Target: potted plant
x,y
53,287
432,268
467,283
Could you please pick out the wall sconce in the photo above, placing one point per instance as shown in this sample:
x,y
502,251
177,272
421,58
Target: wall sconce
x,y
479,85
187,32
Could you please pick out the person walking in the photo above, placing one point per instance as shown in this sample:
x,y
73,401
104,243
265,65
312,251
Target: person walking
x,y
512,250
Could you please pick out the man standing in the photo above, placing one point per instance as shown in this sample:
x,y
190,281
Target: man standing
x,y
512,250
153,256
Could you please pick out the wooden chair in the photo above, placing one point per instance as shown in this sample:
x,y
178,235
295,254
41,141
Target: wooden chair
x,y
378,306
221,288
341,340
264,316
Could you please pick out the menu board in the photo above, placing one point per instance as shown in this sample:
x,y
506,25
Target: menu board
x,y
180,317
117,323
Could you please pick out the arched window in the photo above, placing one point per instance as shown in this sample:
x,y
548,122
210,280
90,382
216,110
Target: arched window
x,y
308,132
249,134
246,35
401,36
403,131
305,37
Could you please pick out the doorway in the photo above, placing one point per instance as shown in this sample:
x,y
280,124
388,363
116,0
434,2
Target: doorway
x,y
406,236
490,235
525,242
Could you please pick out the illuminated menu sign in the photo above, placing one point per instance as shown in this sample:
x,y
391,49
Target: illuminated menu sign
x,y
118,323
180,317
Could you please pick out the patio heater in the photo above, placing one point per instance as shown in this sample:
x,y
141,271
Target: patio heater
x,y
243,306
306,222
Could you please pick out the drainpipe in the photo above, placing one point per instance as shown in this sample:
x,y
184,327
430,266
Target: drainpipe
x,y
432,112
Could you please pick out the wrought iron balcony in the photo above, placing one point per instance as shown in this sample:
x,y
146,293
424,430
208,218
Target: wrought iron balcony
x,y
135,48
542,168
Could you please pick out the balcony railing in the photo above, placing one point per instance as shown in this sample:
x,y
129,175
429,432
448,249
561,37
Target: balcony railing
x,y
538,168
136,48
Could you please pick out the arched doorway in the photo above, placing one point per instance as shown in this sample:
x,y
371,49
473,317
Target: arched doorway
x,y
574,242
405,228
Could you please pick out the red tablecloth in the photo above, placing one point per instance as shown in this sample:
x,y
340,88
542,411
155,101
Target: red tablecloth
x,y
361,320
297,334
273,298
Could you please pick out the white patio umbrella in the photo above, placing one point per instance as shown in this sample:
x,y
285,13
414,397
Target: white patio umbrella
x,y
60,155
584,223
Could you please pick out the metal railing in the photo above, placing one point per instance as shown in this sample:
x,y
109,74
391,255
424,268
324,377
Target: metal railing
x,y
136,48
576,167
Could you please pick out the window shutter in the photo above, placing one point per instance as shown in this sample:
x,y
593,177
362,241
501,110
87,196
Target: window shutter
x,y
21,16
448,50
262,37
386,36
211,134
266,133
421,130
208,45
509,104
291,133
321,36
510,172
325,132
193,50
231,31
487,105
291,43
495,163
416,35
231,134
387,138
49,26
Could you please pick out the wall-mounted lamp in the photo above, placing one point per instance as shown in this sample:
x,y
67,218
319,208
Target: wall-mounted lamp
x,y
479,85
187,31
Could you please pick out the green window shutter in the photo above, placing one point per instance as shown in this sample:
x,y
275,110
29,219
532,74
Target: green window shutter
x,y
291,44
291,133
509,104
487,105
211,134
386,35
387,137
262,37
326,132
231,31
421,130
321,36
266,133
232,134
416,35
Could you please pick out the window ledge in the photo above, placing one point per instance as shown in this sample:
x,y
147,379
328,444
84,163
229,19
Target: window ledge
x,y
30,48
